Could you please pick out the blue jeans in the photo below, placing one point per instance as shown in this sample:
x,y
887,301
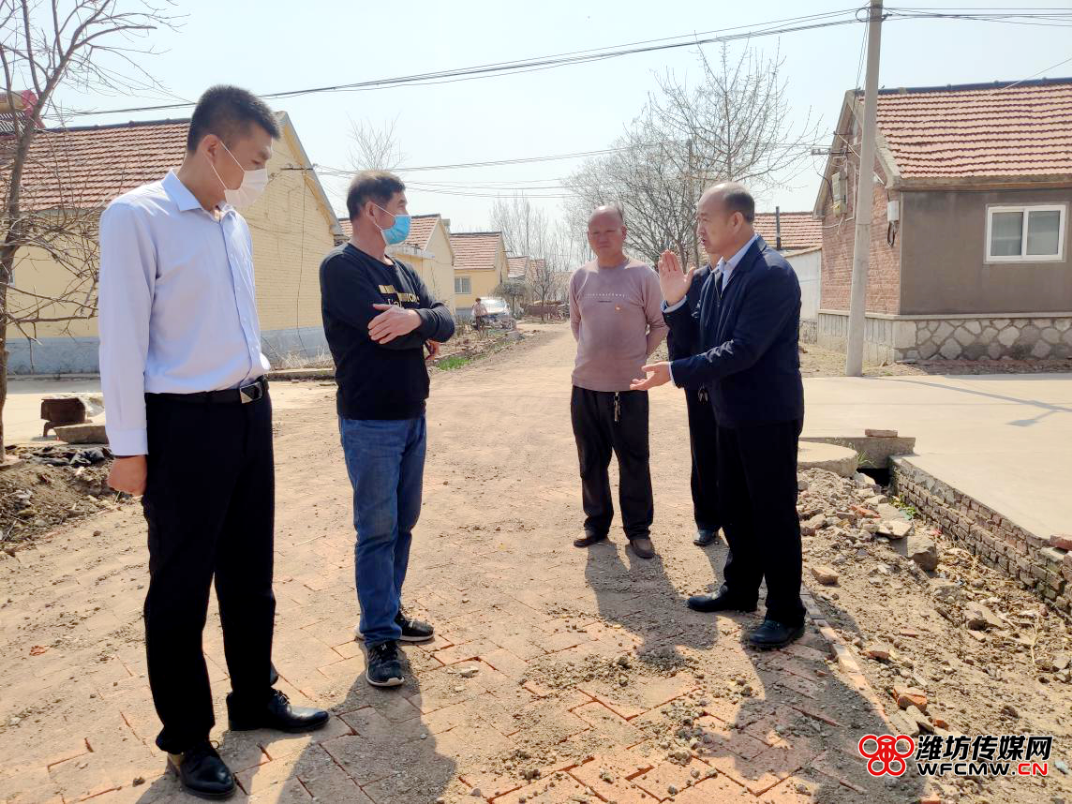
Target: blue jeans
x,y
385,460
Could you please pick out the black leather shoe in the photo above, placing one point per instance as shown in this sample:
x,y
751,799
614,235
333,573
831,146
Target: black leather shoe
x,y
722,602
589,539
773,634
276,713
202,773
705,537
642,547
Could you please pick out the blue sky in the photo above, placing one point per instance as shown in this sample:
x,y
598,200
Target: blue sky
x,y
577,108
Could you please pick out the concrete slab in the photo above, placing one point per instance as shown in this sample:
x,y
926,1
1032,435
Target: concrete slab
x,y
831,457
1003,439
873,451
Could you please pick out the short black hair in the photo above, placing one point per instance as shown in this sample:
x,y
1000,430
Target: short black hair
x,y
378,186
228,112
738,199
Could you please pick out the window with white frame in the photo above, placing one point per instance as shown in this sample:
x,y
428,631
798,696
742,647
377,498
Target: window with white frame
x,y
462,285
1028,233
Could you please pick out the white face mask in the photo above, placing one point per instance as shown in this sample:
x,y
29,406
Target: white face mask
x,y
253,184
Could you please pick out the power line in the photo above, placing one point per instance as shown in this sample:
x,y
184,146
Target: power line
x,y
1036,75
770,28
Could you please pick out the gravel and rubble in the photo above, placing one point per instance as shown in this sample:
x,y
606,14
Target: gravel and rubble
x,y
959,648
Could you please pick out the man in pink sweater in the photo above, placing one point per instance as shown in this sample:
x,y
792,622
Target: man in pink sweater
x,y
616,314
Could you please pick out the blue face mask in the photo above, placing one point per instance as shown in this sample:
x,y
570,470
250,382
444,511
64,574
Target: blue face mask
x,y
398,232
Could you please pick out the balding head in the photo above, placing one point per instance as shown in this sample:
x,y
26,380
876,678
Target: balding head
x,y
724,218
606,235
730,197
612,210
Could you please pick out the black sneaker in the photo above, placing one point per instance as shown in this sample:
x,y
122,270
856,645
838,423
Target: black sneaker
x,y
384,669
414,630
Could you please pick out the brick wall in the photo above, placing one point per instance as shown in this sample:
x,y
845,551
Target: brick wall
x,y
997,541
839,237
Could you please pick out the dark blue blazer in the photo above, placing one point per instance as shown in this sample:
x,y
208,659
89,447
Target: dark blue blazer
x,y
742,343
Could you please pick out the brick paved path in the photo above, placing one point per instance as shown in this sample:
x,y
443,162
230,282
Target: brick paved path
x,y
593,680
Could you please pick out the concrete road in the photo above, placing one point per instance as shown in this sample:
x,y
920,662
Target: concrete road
x,y
1004,439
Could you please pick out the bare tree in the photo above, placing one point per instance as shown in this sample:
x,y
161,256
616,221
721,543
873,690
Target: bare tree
x,y
47,215
375,148
733,125
524,226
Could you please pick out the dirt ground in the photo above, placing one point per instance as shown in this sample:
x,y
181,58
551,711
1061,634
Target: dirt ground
x,y
557,675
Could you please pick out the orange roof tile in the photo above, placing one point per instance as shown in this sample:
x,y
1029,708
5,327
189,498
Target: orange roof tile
x,y
85,168
800,230
519,267
976,131
475,251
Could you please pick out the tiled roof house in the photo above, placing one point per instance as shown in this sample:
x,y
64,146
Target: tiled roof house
x,y
969,254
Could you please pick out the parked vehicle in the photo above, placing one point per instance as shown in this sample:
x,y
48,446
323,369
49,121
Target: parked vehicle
x,y
498,315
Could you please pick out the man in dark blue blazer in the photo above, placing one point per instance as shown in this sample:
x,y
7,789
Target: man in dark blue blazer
x,y
743,342
703,436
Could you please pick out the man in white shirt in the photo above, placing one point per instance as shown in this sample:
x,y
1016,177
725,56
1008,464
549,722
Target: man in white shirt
x,y
190,421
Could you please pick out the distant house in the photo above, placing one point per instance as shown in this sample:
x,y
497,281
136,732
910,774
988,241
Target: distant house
x,y
84,168
480,266
428,251
518,268
969,243
801,241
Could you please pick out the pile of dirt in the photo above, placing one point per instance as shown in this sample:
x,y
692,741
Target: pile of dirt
x,y
49,486
470,346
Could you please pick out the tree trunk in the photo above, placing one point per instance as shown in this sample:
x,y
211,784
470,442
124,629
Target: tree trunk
x,y
3,370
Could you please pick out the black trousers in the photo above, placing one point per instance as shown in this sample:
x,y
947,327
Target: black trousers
x,y
757,484
703,441
209,503
606,422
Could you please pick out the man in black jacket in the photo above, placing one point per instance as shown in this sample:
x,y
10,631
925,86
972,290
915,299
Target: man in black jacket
x,y
378,318
743,338
703,437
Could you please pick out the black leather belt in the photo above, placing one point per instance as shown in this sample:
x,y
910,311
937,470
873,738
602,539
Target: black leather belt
x,y
253,392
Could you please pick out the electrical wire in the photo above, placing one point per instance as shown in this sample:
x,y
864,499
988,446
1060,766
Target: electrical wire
x,y
771,28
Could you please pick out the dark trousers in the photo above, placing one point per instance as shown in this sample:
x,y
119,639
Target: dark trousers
x,y
703,440
606,422
757,484
210,503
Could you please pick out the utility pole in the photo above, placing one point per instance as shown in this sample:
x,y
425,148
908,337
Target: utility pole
x,y
692,205
863,208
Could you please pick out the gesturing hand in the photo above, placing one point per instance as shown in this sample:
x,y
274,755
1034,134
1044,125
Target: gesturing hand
x,y
660,375
672,280
393,322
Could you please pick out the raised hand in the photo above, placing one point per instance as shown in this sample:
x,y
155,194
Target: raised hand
x,y
673,281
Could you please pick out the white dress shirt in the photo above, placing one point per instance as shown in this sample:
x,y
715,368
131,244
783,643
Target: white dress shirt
x,y
725,269
178,308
